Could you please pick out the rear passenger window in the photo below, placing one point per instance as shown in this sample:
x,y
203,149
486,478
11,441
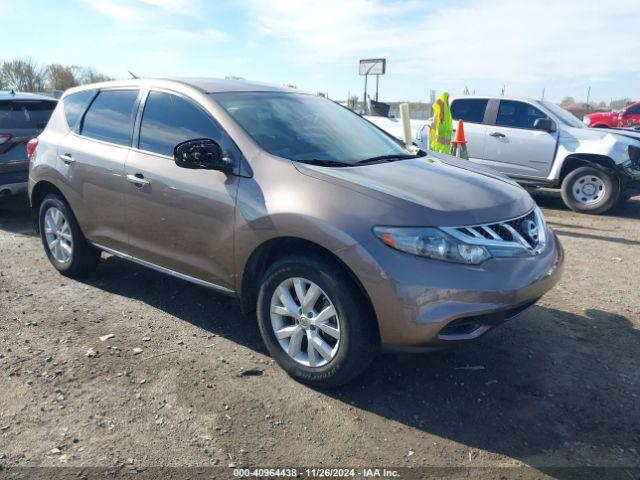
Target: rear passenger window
x,y
75,105
169,120
469,109
517,114
110,117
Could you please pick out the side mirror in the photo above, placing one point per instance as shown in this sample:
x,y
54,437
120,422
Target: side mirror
x,y
545,124
202,153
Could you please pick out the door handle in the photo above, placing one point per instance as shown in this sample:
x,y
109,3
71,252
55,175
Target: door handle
x,y
66,158
138,179
497,135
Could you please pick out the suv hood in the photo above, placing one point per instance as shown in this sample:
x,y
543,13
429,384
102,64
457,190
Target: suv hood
x,y
433,190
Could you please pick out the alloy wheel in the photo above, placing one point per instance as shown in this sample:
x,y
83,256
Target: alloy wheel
x,y
305,322
57,232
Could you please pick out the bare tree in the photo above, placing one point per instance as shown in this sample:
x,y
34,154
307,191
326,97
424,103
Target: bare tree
x,y
619,104
566,101
3,84
25,75
61,77
89,75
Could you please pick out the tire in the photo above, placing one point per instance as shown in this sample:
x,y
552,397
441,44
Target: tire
x,y
71,255
357,342
590,190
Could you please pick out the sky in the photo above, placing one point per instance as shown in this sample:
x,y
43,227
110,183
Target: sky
x,y
561,46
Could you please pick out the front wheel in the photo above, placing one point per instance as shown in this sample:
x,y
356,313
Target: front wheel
x,y
315,322
590,190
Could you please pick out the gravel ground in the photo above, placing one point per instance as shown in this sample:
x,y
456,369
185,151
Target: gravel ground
x,y
180,377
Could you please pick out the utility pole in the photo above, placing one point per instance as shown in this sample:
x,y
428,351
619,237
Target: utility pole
x,y
588,96
504,87
542,93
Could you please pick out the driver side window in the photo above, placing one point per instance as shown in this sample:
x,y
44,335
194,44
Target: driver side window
x,y
516,114
168,120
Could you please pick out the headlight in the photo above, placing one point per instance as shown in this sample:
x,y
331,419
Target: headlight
x,y
587,121
431,243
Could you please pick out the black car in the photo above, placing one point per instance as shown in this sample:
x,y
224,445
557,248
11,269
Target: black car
x,y
22,117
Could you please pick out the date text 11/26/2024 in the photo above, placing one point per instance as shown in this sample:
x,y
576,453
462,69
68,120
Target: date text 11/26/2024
x,y
316,472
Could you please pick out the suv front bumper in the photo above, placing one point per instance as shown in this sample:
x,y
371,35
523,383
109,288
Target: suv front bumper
x,y
422,302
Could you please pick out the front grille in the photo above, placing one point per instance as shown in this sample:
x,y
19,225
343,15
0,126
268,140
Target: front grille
x,y
525,232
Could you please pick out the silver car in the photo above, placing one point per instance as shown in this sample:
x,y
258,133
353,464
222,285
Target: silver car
x,y
337,236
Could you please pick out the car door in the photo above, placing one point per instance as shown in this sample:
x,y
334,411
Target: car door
x,y
92,157
472,112
514,147
180,219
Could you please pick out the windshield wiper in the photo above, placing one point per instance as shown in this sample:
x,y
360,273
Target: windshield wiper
x,y
325,163
384,158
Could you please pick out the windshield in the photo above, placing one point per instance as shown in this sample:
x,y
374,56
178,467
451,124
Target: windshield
x,y
307,128
565,117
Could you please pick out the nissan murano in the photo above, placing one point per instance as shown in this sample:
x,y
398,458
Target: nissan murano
x,y
340,238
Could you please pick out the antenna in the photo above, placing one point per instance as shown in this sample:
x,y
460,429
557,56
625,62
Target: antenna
x,y
133,75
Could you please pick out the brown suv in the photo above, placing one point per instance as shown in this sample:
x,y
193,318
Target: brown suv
x,y
338,236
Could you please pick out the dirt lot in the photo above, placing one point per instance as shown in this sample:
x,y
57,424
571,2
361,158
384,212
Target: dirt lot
x,y
558,386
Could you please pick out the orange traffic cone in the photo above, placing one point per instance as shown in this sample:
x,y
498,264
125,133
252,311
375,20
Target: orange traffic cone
x,y
459,143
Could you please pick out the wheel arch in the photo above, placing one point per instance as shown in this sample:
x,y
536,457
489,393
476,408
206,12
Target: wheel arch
x,y
576,160
38,194
267,253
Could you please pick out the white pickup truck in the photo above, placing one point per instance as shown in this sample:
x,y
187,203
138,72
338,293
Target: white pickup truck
x,y
537,143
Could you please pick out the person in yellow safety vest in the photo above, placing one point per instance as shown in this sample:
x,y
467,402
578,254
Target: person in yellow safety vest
x,y
441,126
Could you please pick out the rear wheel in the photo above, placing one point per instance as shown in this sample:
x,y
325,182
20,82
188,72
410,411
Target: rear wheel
x,y
65,246
590,190
315,322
